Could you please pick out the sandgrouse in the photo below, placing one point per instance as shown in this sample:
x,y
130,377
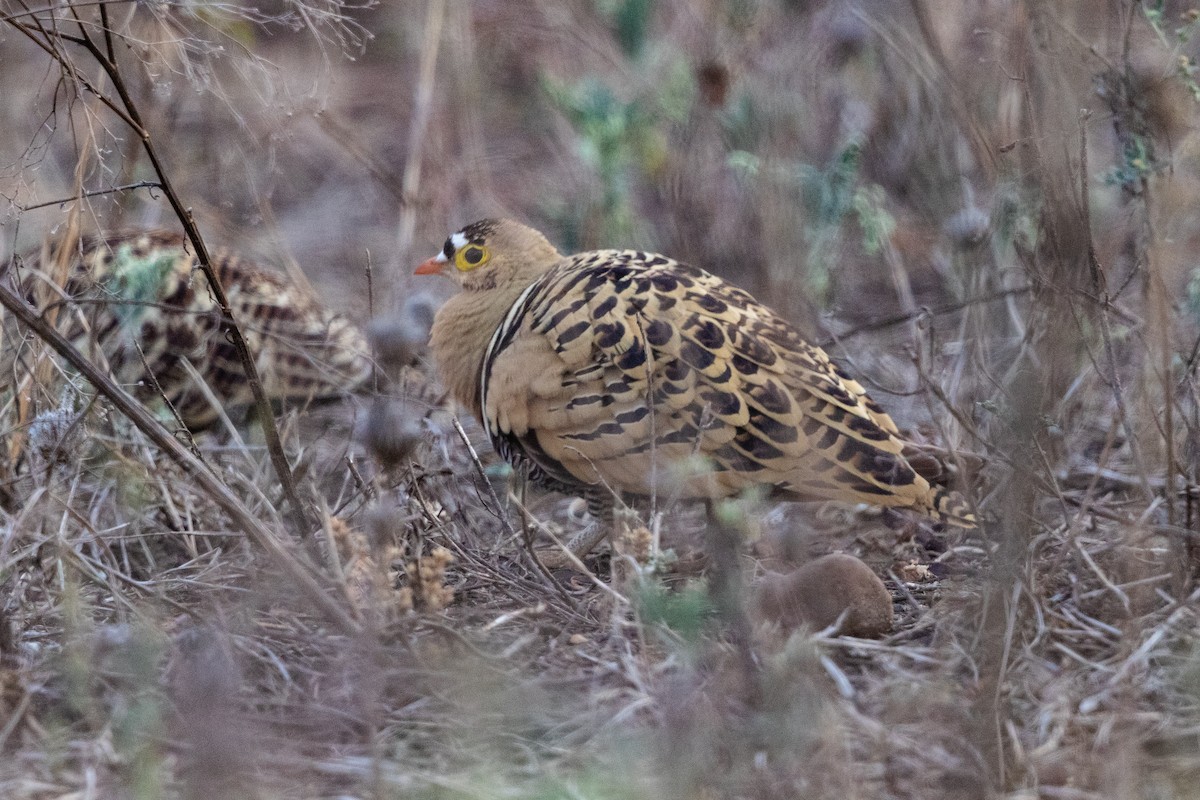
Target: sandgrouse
x,y
143,290
608,371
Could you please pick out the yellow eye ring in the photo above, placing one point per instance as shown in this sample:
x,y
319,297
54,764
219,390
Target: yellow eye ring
x,y
471,256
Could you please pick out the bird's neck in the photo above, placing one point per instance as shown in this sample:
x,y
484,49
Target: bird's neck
x,y
461,334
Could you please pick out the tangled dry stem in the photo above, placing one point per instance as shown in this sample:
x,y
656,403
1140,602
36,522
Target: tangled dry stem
x,y
153,642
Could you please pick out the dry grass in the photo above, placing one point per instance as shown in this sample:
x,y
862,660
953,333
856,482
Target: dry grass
x,y
913,183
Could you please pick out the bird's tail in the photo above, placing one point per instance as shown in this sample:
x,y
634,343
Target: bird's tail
x,y
953,509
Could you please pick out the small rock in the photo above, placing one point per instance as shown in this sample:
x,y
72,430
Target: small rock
x,y
819,592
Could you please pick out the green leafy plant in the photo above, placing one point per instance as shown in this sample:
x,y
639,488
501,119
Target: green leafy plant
x,y
830,197
682,614
1175,38
631,22
623,141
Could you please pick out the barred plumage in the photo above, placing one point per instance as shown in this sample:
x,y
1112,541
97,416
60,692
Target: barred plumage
x,y
144,289
614,368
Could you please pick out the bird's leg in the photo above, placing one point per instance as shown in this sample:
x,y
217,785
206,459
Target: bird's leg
x,y
601,507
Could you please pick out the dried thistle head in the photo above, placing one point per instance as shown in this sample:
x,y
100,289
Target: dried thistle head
x,y
366,575
968,228
392,431
56,440
400,339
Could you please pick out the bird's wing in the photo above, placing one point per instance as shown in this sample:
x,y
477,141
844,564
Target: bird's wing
x,y
303,349
617,366
143,291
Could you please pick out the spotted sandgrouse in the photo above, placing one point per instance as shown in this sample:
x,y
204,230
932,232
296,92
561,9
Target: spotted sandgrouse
x,y
610,370
144,290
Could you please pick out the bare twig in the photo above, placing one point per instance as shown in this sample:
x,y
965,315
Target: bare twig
x,y
980,144
423,103
508,528
900,319
93,193
1113,379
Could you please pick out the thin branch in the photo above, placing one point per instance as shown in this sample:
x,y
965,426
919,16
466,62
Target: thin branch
x,y
499,513
93,193
108,40
50,9
422,105
69,67
1099,286
900,319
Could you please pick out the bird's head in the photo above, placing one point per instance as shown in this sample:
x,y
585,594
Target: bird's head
x,y
491,253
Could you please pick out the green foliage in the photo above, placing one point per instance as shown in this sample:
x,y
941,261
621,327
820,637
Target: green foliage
x,y
592,783
595,784
1188,70
622,141
1175,39
830,197
742,511
137,280
607,131
111,686
874,220
742,123
1138,158
1193,294
1014,217
138,711
1137,164
219,19
630,21
685,612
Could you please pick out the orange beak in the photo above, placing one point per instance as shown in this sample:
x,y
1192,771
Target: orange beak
x,y
431,267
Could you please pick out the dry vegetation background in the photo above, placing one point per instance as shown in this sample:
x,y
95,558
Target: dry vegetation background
x,y
988,208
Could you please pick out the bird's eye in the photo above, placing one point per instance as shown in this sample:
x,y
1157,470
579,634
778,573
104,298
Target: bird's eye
x,y
470,257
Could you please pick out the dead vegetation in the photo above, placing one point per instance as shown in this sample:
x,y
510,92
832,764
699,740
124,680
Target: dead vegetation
x,y
989,208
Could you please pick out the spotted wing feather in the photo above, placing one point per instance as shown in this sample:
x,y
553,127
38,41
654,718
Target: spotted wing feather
x,y
619,367
145,291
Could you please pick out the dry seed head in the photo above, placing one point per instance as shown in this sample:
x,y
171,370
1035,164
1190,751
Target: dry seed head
x,y
639,541
392,431
399,339
442,557
429,574
968,228
404,599
56,441
202,669
367,580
